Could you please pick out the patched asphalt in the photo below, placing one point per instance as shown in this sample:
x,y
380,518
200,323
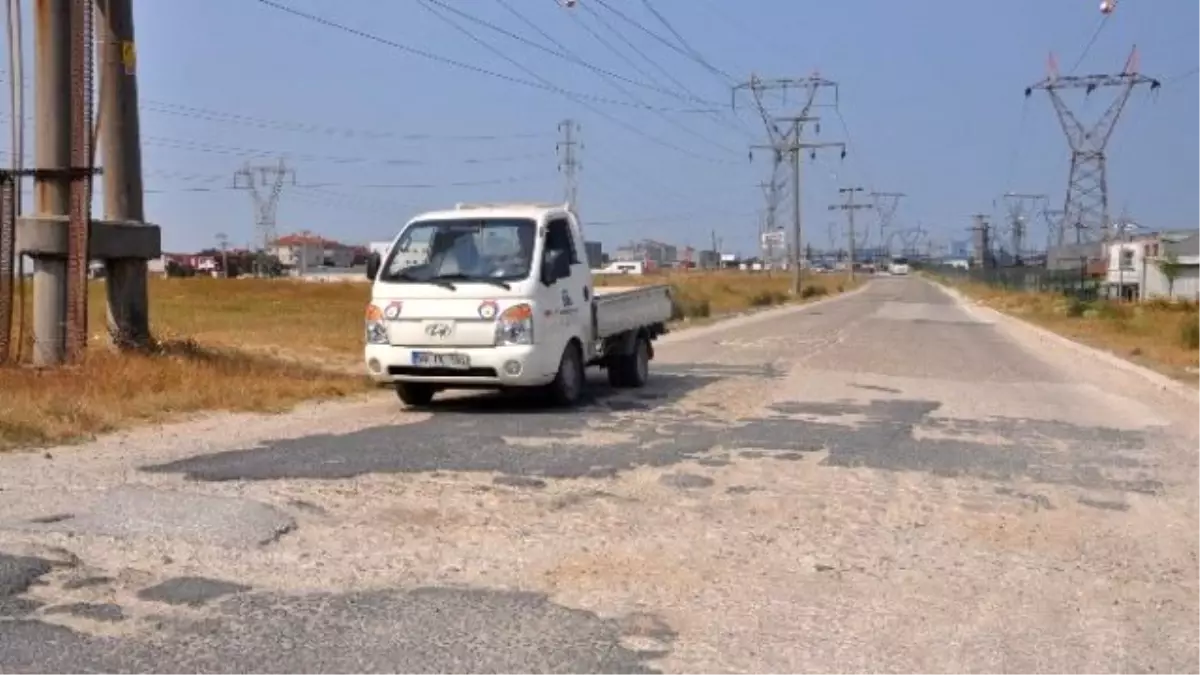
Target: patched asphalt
x,y
425,630
885,482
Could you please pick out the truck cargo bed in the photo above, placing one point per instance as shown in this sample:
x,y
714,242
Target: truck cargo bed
x,y
624,309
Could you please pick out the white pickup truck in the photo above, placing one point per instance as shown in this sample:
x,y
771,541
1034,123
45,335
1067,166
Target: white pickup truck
x,y
496,296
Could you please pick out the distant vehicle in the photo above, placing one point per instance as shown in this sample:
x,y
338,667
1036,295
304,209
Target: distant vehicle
x,y
898,266
498,296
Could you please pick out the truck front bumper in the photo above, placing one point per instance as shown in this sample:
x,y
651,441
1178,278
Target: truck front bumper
x,y
506,366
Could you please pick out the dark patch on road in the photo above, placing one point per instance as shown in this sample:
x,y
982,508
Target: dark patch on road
x,y
55,518
106,611
685,481
425,630
742,489
193,591
308,507
1041,501
1104,504
86,582
474,442
520,482
18,573
874,387
879,435
713,461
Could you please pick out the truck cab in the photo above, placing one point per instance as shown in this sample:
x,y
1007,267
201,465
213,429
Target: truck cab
x,y
501,296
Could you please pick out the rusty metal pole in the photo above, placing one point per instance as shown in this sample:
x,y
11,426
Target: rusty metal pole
x,y
121,154
52,150
79,220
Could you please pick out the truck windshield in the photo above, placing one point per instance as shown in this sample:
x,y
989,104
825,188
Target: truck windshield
x,y
899,261
489,250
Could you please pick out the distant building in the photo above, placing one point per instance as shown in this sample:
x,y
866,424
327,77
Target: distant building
x,y
308,250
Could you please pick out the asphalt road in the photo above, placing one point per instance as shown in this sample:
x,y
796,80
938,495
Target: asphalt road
x,y
883,482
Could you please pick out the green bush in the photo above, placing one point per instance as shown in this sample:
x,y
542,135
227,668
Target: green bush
x,y
1076,308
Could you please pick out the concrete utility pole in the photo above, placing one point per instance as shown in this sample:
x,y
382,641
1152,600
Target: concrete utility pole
x,y
223,244
793,145
1086,204
850,207
568,164
121,152
983,241
52,150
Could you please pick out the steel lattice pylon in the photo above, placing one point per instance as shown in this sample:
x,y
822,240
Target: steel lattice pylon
x,y
1085,208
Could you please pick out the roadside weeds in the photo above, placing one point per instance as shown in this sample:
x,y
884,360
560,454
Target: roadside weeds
x,y
1157,334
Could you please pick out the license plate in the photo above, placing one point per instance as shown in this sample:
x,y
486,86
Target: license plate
x,y
441,360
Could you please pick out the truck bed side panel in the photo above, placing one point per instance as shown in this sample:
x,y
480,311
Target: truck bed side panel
x,y
623,309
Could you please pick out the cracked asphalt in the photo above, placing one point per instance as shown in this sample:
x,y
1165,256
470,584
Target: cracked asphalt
x,y
885,481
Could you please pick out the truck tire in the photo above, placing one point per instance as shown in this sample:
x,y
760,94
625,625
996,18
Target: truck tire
x,y
631,370
567,387
415,394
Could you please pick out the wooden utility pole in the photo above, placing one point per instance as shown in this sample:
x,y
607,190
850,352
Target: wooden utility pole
x,y
121,148
850,207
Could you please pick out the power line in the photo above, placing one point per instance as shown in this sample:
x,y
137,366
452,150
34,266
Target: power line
x,y
542,85
566,53
561,53
636,24
580,100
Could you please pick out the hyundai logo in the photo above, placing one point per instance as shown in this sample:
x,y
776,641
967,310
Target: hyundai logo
x,y
438,330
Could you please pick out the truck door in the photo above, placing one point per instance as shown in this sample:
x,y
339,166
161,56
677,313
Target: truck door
x,y
569,297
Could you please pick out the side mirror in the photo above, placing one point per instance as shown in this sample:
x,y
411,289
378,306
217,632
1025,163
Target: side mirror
x,y
373,263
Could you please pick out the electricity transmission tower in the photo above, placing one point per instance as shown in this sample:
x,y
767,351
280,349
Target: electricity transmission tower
x,y
265,183
790,142
886,204
1018,220
568,163
850,207
1086,204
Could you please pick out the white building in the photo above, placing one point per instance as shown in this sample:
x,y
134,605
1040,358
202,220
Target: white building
x,y
1135,268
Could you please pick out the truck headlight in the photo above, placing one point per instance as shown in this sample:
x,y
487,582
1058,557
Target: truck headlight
x,y
515,326
376,329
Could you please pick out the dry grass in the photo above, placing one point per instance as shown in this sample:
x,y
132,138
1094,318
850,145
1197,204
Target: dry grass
x,y
258,345
240,345
1157,334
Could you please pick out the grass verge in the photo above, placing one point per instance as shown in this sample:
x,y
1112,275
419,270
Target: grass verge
x,y
253,345
1158,334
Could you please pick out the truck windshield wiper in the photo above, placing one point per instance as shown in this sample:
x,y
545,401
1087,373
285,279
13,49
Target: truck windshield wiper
x,y
436,281
484,280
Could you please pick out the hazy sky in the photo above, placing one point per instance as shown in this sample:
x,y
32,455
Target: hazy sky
x,y
931,94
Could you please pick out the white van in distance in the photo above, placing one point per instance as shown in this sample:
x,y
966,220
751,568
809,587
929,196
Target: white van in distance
x,y
495,296
898,266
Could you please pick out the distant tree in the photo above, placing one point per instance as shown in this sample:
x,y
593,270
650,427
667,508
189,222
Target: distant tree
x,y
1170,268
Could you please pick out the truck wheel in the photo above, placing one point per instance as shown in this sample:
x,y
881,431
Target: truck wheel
x,y
415,394
631,370
568,384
